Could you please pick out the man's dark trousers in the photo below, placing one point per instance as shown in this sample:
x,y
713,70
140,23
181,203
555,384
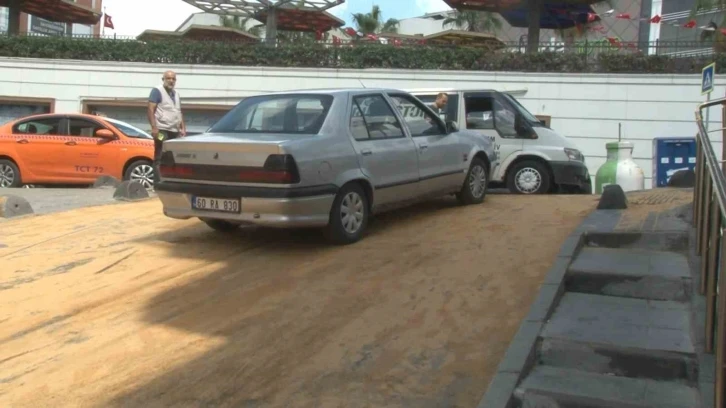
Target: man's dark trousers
x,y
157,149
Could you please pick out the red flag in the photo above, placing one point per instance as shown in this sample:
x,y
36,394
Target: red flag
x,y
656,19
624,16
614,42
107,22
350,31
690,24
591,17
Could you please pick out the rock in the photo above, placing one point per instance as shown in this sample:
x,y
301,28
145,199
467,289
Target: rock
x,y
683,178
106,181
130,191
613,198
14,206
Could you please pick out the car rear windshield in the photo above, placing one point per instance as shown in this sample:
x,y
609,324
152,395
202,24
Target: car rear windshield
x,y
298,113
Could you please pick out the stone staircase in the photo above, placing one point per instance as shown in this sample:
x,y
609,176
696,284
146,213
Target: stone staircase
x,y
621,333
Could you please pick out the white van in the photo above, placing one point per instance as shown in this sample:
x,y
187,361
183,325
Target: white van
x,y
531,157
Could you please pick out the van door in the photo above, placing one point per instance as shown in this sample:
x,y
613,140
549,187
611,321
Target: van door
x,y
488,113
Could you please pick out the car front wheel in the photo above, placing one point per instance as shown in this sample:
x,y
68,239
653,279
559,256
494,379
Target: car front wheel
x,y
529,177
349,215
475,185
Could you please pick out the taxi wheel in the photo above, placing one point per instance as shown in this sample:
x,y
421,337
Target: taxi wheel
x,y
141,171
9,174
349,215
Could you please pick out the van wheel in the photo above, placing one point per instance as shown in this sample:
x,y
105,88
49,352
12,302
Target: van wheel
x,y
349,215
141,171
528,177
220,225
9,174
475,184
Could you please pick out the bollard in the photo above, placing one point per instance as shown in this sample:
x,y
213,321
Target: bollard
x,y
130,191
106,181
14,206
613,198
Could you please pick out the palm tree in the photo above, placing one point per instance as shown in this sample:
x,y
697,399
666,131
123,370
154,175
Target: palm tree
x,y
238,23
474,21
372,22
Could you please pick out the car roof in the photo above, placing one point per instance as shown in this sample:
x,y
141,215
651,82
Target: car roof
x,y
437,90
51,115
332,91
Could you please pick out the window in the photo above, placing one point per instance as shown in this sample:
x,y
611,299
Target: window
x,y
451,109
529,117
418,120
297,113
49,126
83,127
373,112
479,113
129,130
504,120
487,112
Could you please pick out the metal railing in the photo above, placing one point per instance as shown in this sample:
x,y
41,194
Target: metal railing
x,y
709,212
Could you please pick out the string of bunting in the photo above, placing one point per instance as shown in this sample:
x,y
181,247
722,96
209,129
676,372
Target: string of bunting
x,y
656,19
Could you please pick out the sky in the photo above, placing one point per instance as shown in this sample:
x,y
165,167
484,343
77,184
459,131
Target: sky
x,y
131,17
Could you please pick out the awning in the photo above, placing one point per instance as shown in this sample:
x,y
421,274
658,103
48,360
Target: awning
x,y
554,16
484,5
200,32
465,38
61,11
302,19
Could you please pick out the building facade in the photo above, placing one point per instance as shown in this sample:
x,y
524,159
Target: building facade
x,y
30,24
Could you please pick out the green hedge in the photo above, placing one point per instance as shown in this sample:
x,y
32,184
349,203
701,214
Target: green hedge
x,y
358,56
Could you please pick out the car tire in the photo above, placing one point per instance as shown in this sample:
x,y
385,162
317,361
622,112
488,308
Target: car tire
x,y
221,225
141,171
475,184
529,177
351,201
9,174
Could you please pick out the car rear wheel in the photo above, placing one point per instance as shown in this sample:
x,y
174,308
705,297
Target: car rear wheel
x,y
9,174
475,185
349,215
220,225
141,171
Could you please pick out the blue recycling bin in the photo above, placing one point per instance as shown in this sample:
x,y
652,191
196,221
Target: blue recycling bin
x,y
671,154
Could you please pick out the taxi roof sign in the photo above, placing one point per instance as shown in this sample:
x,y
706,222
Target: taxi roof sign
x,y
707,77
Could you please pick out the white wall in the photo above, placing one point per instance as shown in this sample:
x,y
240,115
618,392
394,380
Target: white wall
x,y
584,107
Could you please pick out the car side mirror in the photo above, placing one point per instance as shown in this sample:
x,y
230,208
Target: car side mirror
x,y
451,126
105,134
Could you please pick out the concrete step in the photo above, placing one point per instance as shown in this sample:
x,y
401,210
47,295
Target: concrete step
x,y
565,388
628,337
634,273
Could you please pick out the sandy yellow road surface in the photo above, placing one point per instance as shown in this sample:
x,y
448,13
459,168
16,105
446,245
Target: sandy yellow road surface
x,y
120,306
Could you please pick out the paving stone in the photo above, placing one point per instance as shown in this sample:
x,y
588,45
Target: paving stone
x,y
635,262
621,322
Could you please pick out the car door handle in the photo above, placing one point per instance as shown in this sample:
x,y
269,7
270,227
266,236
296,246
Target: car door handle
x,y
366,152
22,141
423,147
71,143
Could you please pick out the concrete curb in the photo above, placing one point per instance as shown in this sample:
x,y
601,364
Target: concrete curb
x,y
521,354
14,206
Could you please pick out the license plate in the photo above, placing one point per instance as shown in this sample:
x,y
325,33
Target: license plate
x,y
216,204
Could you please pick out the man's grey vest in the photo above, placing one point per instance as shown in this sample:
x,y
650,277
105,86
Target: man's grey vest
x,y
168,111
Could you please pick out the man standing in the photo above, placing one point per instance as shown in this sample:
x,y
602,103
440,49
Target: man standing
x,y
440,104
165,116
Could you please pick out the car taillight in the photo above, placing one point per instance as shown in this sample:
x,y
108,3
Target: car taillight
x,y
175,170
278,169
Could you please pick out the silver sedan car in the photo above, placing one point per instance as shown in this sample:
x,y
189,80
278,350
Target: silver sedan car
x,y
321,158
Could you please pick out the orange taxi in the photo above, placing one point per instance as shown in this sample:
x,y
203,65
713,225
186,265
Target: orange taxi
x,y
73,149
